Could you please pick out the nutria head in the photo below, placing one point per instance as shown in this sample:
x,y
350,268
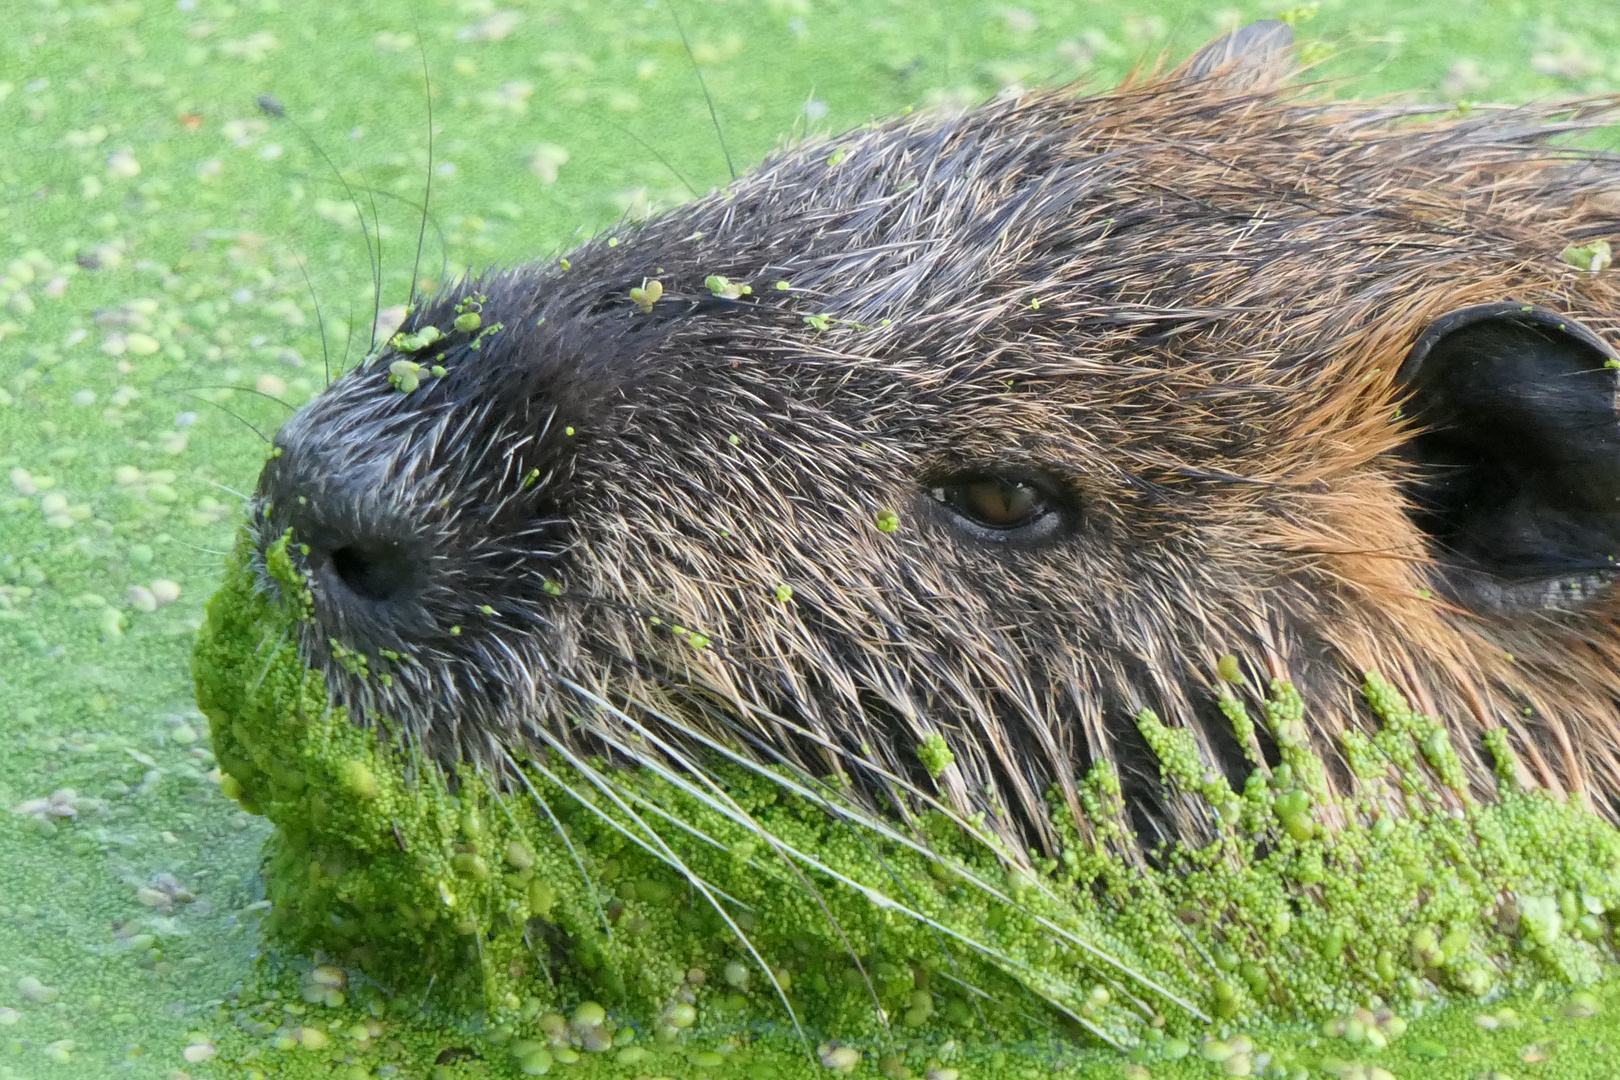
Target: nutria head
x,y
1004,427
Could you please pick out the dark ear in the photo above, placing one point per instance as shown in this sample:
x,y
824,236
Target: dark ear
x,y
1518,452
1250,56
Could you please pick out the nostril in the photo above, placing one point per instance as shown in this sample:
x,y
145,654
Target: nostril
x,y
376,571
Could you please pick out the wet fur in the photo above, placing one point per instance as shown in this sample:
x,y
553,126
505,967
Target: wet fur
x,y
1227,281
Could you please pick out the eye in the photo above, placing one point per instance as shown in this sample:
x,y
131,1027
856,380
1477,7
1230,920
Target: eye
x,y
995,504
999,508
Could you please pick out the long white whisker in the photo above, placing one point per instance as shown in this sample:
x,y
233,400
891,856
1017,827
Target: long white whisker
x,y
873,895
579,863
755,828
691,876
883,828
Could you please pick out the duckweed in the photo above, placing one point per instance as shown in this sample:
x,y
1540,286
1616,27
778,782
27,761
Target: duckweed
x,y
526,910
935,755
725,288
1593,258
648,293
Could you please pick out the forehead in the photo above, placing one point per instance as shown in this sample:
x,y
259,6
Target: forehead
x,y
1160,212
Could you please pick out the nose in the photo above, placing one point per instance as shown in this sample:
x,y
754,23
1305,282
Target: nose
x,y
359,556
369,555
372,569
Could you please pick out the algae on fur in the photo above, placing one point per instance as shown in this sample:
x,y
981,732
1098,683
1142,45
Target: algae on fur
x,y
578,884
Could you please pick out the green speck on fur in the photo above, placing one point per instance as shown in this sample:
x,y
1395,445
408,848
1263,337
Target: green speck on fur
x,y
295,590
936,757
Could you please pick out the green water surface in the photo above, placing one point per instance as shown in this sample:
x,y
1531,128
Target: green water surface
x,y
173,258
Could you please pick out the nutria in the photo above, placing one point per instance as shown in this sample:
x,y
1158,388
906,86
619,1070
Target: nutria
x,y
1003,427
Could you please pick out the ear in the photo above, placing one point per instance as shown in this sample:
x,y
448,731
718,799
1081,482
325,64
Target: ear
x,y
1251,56
1517,455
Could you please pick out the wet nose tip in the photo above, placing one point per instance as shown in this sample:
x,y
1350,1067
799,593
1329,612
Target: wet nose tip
x,y
374,569
361,547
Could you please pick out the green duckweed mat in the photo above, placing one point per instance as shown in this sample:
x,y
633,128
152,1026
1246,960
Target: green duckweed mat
x,y
164,242
627,921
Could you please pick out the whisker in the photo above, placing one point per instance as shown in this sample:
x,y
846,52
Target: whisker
x,y
714,117
238,389
269,661
978,994
373,252
427,191
239,419
759,831
674,860
929,800
653,150
348,339
644,846
320,320
742,818
883,828
579,863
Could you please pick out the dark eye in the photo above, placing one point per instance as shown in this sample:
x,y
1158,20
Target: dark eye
x,y
995,504
998,507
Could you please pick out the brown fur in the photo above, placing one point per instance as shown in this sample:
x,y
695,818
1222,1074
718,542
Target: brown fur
x,y
1227,281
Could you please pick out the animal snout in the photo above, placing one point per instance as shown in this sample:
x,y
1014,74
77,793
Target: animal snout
x,y
353,554
367,552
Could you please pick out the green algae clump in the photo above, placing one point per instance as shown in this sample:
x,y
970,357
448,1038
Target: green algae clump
x,y
767,911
